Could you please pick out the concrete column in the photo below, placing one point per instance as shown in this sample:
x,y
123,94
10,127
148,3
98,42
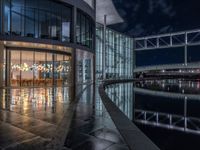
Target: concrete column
x,y
8,68
94,46
1,72
104,48
1,16
1,63
73,56
53,71
134,57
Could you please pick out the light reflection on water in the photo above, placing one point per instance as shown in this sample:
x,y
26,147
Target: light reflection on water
x,y
169,108
175,86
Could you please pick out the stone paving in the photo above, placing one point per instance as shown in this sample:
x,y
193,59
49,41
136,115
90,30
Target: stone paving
x,y
92,128
29,118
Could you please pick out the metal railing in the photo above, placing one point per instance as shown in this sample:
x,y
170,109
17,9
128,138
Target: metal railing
x,y
178,39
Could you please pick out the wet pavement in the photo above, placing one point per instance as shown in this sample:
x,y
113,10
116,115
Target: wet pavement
x,y
92,127
30,117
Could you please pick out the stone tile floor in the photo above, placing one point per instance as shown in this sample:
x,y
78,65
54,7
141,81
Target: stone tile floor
x,y
30,117
92,128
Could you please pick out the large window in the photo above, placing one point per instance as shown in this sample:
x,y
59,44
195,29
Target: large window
x,y
33,68
37,19
118,56
84,30
84,67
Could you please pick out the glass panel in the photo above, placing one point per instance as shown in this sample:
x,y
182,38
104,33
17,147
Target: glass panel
x,y
78,28
6,17
84,67
30,18
118,57
44,20
15,68
36,18
66,24
66,70
87,33
26,68
49,72
55,22
40,69
4,67
17,13
83,30
58,70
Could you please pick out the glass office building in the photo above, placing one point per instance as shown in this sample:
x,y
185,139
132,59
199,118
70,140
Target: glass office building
x,y
41,46
115,61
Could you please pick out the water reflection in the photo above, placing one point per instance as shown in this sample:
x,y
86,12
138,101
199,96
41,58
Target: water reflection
x,y
175,86
169,108
122,95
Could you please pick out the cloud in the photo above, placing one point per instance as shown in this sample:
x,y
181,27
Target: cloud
x,y
137,30
164,6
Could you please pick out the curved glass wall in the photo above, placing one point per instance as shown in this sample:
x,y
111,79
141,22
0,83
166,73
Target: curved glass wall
x,y
84,30
26,68
36,19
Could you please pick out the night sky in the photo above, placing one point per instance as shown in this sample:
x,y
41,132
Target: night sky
x,y
148,17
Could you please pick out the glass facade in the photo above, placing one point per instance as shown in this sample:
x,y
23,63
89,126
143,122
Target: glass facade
x,y
118,55
36,19
36,68
84,30
84,67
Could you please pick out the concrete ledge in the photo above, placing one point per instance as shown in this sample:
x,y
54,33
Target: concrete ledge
x,y
134,138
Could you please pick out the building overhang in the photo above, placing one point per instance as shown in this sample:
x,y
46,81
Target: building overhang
x,y
106,7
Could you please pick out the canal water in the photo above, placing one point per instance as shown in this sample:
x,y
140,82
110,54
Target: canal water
x,y
167,111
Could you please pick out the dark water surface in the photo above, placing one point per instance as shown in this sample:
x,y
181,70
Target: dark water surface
x,y
167,111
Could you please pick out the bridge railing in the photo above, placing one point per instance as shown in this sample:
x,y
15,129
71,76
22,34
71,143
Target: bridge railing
x,y
177,39
169,121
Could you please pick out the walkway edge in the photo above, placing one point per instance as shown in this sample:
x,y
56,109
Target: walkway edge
x,y
134,138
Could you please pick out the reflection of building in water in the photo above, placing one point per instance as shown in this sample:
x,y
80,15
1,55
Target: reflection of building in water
x,y
171,85
173,111
122,96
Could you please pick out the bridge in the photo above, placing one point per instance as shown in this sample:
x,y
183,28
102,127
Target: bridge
x,y
183,40
169,66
